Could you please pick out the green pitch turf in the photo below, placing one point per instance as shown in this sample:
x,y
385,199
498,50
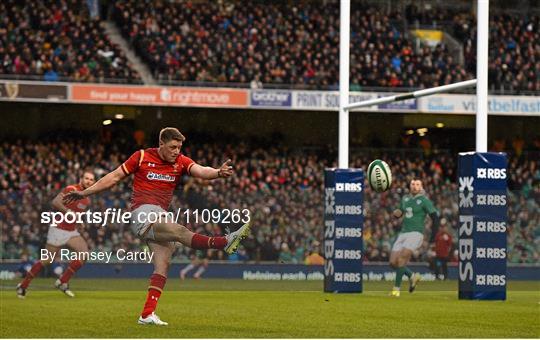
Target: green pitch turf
x,y
245,309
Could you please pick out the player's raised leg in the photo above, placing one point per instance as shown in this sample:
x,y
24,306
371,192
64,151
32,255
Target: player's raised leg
x,y
172,232
79,245
161,260
34,271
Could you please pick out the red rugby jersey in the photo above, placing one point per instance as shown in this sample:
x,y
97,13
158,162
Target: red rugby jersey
x,y
155,178
76,206
443,244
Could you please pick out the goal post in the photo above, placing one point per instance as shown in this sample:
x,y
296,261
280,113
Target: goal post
x,y
482,183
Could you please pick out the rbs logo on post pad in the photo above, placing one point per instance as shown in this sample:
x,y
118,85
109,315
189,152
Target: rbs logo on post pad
x,y
489,173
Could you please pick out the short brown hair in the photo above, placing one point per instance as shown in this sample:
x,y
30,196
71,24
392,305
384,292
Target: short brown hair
x,y
88,170
169,133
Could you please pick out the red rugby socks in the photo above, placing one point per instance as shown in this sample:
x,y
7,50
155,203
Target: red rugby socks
x,y
204,242
72,269
33,272
157,282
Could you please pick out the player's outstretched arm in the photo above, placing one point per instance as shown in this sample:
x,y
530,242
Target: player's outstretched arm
x,y
207,172
58,204
106,182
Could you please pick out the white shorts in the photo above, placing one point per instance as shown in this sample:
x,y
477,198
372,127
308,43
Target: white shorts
x,y
143,218
411,240
59,237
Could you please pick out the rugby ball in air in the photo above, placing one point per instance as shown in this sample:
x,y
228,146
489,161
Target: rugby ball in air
x,y
379,175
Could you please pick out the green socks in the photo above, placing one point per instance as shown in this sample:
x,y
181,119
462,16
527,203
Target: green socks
x,y
399,275
407,272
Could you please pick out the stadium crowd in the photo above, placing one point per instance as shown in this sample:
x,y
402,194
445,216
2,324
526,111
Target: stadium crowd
x,y
514,50
58,41
513,43
261,44
275,43
281,187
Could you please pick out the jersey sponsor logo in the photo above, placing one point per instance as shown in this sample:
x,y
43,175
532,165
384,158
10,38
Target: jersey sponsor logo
x,y
349,187
490,280
490,173
160,177
491,199
491,227
490,253
348,210
347,277
348,232
343,254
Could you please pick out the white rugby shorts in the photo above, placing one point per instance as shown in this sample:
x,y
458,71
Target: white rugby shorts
x,y
143,218
411,240
59,237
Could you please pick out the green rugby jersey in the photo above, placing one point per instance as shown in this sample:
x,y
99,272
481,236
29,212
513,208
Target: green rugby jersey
x,y
415,209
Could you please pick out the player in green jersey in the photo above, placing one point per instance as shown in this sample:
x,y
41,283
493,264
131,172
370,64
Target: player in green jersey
x,y
414,208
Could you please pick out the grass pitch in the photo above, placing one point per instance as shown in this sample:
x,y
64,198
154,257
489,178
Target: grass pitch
x,y
247,309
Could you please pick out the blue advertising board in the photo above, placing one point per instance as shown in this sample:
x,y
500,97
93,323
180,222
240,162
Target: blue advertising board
x,y
262,271
271,98
482,225
343,223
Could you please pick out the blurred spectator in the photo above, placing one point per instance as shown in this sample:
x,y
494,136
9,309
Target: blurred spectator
x,y
285,255
443,249
314,259
256,83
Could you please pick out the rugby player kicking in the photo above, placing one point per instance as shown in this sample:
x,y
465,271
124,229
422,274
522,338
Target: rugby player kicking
x,y
157,171
414,208
63,235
